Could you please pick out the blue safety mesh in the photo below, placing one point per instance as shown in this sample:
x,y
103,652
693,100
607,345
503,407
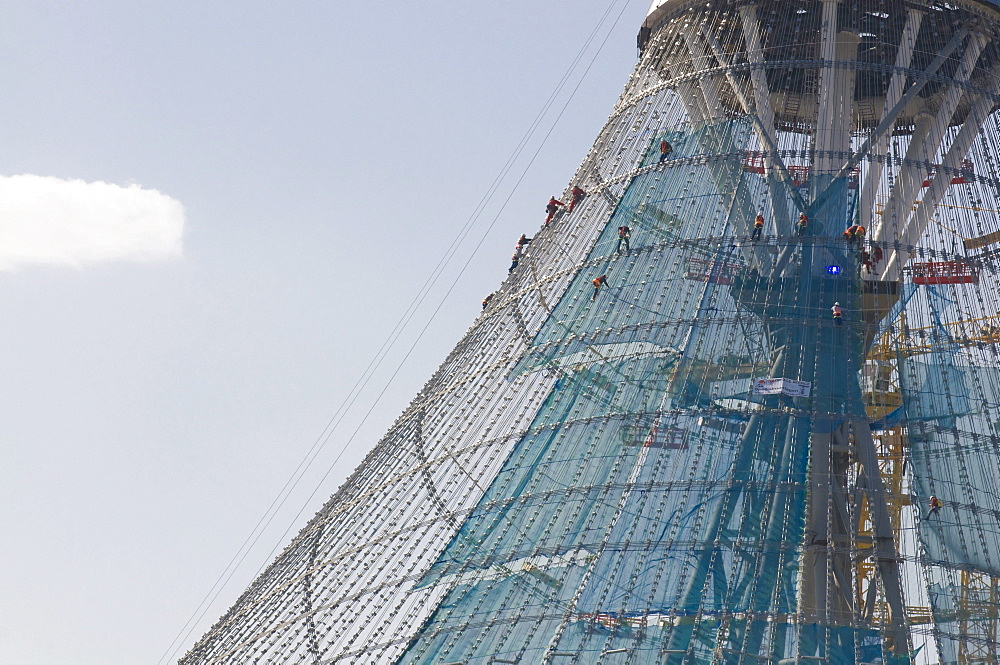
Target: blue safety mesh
x,y
651,493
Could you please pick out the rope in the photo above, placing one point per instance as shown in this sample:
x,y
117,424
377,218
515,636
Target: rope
x,y
389,343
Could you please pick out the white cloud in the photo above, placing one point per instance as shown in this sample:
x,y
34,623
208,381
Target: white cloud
x,y
49,221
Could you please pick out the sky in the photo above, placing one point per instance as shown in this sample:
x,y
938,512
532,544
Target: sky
x,y
212,215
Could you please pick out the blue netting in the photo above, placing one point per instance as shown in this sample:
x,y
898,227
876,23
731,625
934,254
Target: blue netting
x,y
652,492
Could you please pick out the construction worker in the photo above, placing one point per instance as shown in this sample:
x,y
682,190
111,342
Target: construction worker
x,y
877,256
838,314
855,234
935,504
523,240
801,225
598,283
551,208
486,300
665,150
624,233
865,259
577,196
514,260
758,227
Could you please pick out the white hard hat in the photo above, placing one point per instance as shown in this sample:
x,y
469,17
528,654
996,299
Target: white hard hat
x,y
836,304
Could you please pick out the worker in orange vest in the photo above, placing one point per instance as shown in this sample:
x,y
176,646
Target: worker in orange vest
x,y
801,225
598,283
935,507
624,233
758,227
854,234
838,314
577,196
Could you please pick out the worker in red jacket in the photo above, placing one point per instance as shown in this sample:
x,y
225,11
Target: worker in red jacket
x,y
665,150
865,259
877,256
578,195
551,208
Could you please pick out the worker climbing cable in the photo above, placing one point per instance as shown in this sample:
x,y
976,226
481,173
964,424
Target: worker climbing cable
x,y
577,196
516,259
665,150
935,504
801,225
523,240
865,260
877,256
551,208
624,233
598,283
758,227
838,314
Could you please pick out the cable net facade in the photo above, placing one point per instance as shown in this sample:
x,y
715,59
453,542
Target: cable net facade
x,y
726,451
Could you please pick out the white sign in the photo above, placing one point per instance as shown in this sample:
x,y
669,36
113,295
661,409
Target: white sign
x,y
781,387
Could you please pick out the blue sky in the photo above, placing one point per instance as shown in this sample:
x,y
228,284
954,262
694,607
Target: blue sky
x,y
155,401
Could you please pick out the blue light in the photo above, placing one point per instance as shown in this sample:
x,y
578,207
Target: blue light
x,y
833,270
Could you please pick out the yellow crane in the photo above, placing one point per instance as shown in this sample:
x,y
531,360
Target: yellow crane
x,y
978,609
